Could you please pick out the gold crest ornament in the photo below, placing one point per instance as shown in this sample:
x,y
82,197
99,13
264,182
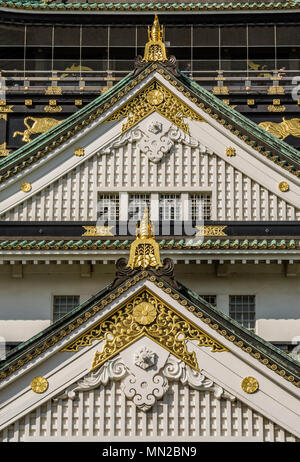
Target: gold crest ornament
x,y
283,186
155,49
144,251
144,313
249,385
39,384
26,187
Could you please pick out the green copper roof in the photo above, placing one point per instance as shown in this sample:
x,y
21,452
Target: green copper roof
x,y
174,244
251,344
136,6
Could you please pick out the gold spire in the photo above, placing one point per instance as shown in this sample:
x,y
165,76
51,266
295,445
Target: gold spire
x,y
144,251
155,49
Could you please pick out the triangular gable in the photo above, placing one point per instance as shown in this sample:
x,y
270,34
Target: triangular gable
x,y
85,349
204,123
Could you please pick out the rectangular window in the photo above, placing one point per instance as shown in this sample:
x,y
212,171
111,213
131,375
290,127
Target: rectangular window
x,y
108,208
137,205
63,304
200,207
242,309
169,207
212,299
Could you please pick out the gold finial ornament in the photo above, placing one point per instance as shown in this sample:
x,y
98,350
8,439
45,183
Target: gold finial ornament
x,y
249,385
39,384
155,49
144,251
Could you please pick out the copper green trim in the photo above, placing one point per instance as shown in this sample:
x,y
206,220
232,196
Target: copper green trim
x,y
180,244
52,6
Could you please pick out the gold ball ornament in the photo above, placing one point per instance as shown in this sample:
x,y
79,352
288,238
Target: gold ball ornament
x,y
26,187
283,186
39,384
144,313
249,385
155,97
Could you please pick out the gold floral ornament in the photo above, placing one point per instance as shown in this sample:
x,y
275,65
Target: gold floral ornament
x,y
155,49
249,385
144,251
230,151
144,313
283,186
39,384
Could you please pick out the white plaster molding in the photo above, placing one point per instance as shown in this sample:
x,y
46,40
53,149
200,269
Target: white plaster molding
x,y
155,137
150,385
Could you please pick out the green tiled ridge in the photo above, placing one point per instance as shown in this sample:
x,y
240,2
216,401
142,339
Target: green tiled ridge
x,y
150,6
196,243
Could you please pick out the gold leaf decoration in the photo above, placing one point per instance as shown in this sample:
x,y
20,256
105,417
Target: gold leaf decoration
x,y
145,315
155,97
97,231
211,231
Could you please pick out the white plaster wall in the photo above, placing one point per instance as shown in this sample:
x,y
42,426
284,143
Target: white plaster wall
x,y
26,303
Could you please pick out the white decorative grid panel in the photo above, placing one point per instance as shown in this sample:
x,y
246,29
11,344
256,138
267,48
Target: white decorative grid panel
x,y
74,196
106,414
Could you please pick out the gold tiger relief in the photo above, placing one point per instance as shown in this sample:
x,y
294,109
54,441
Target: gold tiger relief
x,y
40,125
282,129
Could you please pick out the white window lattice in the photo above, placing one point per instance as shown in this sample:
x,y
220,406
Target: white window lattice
x,y
63,304
200,206
242,310
137,205
169,207
108,207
